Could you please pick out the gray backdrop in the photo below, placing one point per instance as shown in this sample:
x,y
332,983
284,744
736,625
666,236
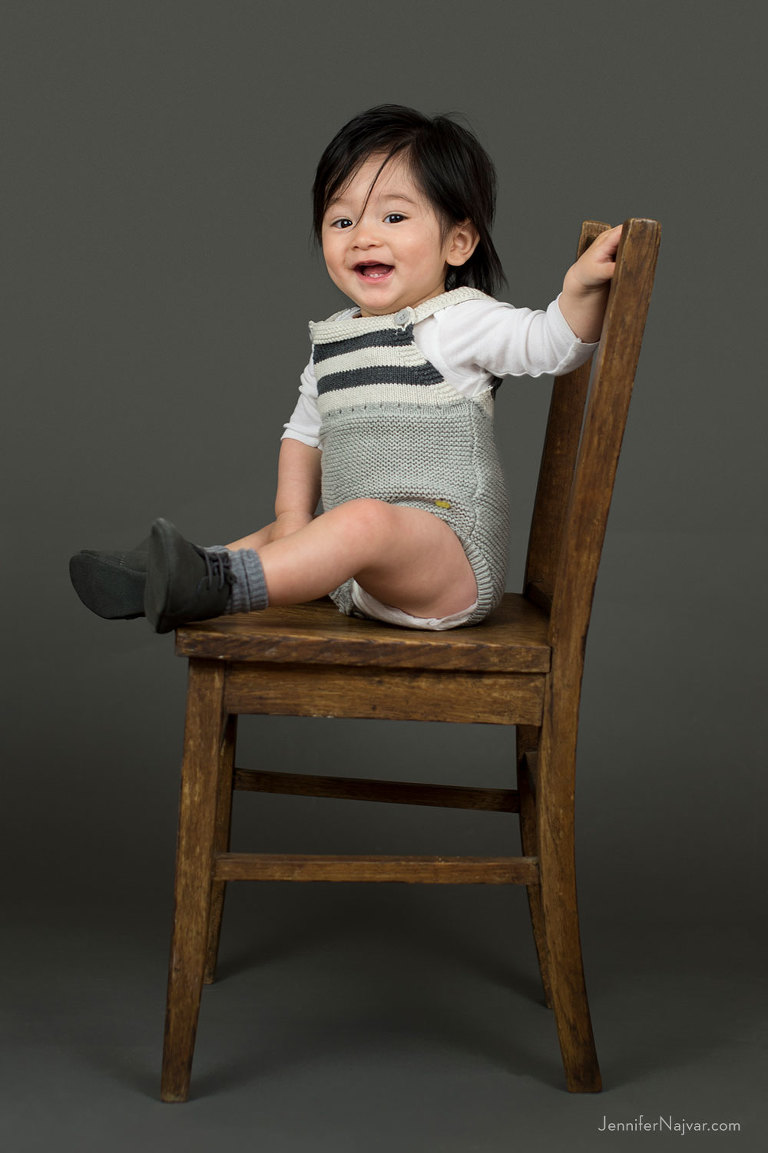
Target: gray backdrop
x,y
158,276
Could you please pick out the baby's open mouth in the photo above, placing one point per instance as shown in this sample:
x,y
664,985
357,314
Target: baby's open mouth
x,y
371,270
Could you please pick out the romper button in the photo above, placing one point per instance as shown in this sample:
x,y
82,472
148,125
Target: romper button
x,y
403,316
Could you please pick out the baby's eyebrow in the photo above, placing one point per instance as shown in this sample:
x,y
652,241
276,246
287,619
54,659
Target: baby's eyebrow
x,y
398,196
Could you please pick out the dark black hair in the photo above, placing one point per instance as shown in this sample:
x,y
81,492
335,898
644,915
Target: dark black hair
x,y
448,163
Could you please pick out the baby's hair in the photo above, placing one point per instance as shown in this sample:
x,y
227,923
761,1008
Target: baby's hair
x,y
448,163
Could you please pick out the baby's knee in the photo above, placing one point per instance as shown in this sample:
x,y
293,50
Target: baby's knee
x,y
368,517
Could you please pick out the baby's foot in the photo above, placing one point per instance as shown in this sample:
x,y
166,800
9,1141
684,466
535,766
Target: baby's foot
x,y
184,582
111,584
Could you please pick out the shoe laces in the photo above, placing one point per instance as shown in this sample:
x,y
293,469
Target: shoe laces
x,y
218,568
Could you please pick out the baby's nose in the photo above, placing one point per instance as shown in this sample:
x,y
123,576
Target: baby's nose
x,y
365,235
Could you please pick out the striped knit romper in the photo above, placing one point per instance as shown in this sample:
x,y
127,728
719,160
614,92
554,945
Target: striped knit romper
x,y
392,429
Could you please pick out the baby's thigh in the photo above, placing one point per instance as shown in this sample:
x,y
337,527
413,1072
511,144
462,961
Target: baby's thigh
x,y
423,569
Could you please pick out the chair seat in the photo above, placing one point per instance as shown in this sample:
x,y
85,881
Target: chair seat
x,y
513,639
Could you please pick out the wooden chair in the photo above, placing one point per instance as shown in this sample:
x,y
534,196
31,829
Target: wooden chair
x,y
522,666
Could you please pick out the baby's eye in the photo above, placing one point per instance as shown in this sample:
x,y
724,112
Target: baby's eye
x,y
394,217
342,222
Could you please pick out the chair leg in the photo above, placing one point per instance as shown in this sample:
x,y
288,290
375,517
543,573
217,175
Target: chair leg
x,y
205,729
561,919
222,836
527,743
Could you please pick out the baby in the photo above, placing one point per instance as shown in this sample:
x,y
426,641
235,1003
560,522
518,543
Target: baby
x,y
393,429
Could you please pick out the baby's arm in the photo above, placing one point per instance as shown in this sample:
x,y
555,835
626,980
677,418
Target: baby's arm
x,y
586,285
298,491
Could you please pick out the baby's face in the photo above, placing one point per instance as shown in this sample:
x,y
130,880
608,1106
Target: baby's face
x,y
382,241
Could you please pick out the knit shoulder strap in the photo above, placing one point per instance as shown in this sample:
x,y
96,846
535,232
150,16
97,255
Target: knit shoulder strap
x,y
444,300
344,324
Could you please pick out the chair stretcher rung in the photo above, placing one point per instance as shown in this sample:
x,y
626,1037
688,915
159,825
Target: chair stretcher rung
x,y
363,789
408,870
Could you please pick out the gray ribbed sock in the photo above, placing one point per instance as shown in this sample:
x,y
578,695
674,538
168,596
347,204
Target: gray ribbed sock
x,y
249,589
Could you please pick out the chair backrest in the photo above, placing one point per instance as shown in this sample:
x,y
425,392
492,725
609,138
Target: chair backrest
x,y
583,440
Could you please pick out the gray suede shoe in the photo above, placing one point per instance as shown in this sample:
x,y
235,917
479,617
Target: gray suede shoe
x,y
184,582
111,584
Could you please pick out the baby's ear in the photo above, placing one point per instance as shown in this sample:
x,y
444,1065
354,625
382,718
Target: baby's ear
x,y
462,243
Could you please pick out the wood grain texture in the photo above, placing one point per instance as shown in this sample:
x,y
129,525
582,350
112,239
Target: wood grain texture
x,y
411,870
366,789
512,639
592,488
578,559
221,840
558,462
204,739
527,756
384,694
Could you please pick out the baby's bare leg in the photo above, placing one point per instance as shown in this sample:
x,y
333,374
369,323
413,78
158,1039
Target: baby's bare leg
x,y
402,556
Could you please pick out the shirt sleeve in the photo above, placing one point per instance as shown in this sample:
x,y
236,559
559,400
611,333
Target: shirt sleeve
x,y
304,424
492,337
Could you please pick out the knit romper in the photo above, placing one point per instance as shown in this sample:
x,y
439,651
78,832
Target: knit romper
x,y
392,429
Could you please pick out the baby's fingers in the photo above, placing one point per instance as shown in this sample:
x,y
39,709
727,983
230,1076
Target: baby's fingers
x,y
607,243
598,263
